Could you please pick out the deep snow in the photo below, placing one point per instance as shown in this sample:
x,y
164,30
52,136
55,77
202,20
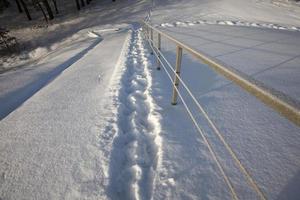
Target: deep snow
x,y
255,11
50,146
265,143
93,120
266,55
37,39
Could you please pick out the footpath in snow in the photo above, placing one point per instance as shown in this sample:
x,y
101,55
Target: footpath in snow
x,y
136,148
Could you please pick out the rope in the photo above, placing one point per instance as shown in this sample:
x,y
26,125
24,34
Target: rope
x,y
209,146
249,178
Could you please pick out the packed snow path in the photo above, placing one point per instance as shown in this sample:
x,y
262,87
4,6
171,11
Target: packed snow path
x,y
136,148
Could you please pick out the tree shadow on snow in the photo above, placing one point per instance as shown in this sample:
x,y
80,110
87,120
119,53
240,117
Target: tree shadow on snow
x,y
14,99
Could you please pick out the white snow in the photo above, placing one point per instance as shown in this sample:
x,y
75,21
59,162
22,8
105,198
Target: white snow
x,y
66,27
259,53
88,116
53,151
265,143
225,10
230,23
136,148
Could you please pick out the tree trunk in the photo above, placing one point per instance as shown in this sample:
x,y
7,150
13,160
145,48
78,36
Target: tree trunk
x,y
55,6
48,8
77,4
26,10
87,2
82,3
45,16
19,6
6,3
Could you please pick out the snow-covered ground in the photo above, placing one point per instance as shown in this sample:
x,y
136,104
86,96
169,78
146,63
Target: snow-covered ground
x,y
37,39
92,118
54,150
266,55
256,11
265,143
19,85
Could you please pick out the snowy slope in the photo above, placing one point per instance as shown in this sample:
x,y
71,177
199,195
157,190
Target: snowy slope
x,y
265,143
266,55
93,119
37,39
51,147
19,85
243,10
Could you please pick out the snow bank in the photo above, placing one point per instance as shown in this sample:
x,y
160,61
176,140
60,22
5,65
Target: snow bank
x,y
230,23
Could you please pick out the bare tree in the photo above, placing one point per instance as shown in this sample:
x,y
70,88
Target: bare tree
x,y
77,4
82,3
19,6
38,4
5,3
48,8
26,9
55,6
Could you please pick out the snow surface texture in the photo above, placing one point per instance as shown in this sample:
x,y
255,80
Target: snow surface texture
x,y
51,145
137,145
266,143
100,125
17,86
230,23
266,55
38,39
257,11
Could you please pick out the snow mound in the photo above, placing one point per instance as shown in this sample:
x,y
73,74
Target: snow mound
x,y
230,23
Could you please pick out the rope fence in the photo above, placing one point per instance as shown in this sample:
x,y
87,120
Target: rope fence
x,y
165,64
277,102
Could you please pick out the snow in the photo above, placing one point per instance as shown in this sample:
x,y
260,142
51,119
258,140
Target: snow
x,y
230,23
136,148
86,114
53,151
65,28
262,11
258,53
261,138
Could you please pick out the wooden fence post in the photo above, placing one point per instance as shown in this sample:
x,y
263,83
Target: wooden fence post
x,y
176,79
152,43
159,48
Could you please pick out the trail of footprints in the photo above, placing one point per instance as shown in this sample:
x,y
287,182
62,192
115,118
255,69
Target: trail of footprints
x,y
138,139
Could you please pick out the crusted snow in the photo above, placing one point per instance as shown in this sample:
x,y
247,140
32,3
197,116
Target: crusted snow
x,y
93,119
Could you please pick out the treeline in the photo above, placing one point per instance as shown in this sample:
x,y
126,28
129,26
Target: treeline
x,y
48,7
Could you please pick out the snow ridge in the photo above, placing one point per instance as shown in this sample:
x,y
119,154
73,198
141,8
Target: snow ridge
x,y
231,23
137,145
